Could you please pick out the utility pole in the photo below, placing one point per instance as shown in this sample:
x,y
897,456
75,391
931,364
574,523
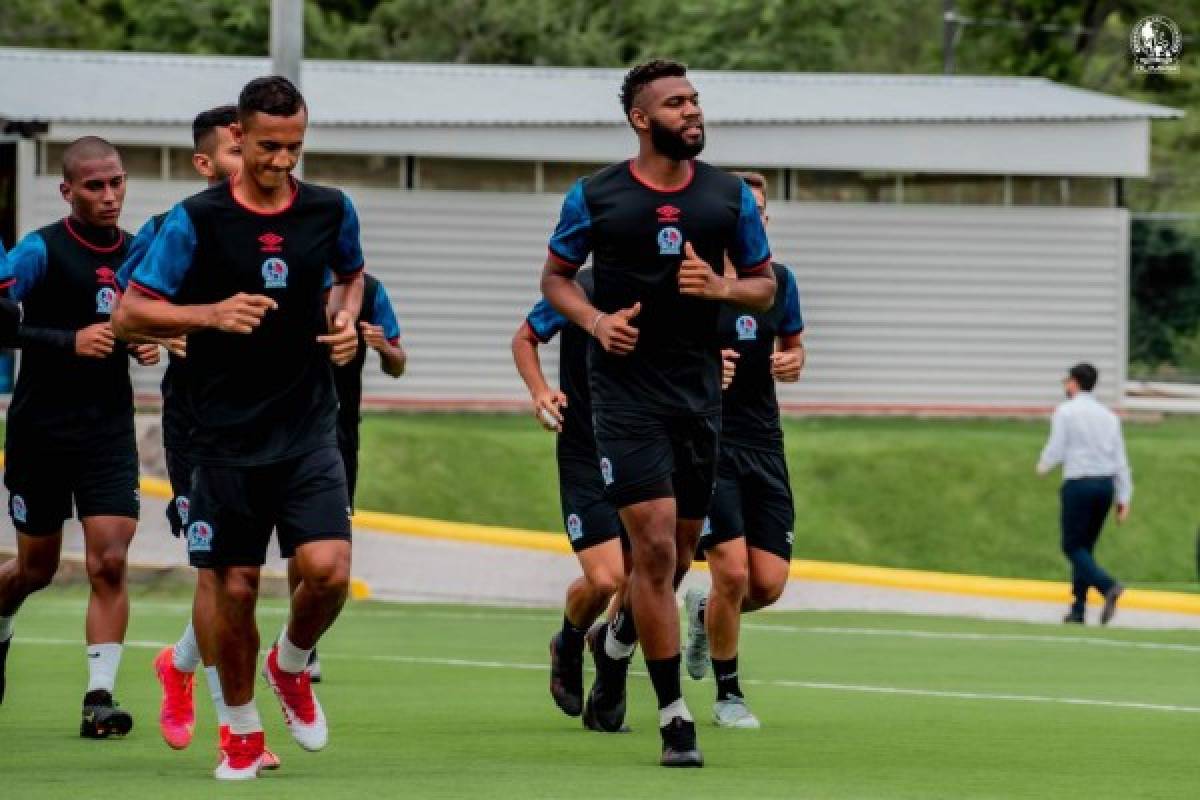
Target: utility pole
x,y
287,38
949,35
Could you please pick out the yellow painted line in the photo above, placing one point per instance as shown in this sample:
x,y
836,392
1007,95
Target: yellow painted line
x,y
886,577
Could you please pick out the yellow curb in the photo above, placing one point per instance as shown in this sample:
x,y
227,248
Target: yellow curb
x,y
886,577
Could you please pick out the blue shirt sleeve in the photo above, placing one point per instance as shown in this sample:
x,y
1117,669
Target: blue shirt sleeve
x,y
571,242
384,315
328,284
545,321
793,318
160,273
137,251
349,244
750,251
24,267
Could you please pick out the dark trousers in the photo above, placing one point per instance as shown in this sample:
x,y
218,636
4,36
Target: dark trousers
x,y
1085,505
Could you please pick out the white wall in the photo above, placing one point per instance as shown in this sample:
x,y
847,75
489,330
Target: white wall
x,y
907,306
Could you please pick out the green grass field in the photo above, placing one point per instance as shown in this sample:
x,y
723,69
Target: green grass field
x,y
437,701
959,496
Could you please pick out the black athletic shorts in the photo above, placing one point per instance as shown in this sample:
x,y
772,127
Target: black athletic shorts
x,y
179,472
645,456
234,509
588,518
45,485
753,499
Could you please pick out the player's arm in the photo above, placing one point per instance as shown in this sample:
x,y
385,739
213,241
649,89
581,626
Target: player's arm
x,y
381,331
147,309
787,361
345,298
570,245
138,249
754,286
539,327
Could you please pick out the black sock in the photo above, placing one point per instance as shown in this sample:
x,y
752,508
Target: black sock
x,y
572,637
726,673
622,626
664,674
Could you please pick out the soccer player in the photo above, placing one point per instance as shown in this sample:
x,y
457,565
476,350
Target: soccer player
x,y
747,540
654,226
591,522
70,426
378,330
215,156
240,269
1086,439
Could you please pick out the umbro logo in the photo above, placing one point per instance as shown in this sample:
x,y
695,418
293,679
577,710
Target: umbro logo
x,y
668,213
271,242
106,275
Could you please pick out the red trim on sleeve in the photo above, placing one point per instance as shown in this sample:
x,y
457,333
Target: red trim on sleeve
x,y
756,268
146,290
562,262
346,277
394,340
8,283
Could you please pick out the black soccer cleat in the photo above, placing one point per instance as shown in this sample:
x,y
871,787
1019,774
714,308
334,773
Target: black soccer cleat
x,y
1110,603
566,677
3,661
679,744
604,711
102,717
1073,617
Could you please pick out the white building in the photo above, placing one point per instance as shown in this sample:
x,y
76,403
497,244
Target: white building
x,y
958,241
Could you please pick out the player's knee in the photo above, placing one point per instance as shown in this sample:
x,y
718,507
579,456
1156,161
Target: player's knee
x,y
603,582
107,566
655,557
37,576
731,579
765,593
328,578
238,588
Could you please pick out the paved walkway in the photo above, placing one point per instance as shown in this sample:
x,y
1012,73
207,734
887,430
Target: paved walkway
x,y
412,569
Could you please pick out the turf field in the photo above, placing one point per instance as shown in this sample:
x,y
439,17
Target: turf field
x,y
435,701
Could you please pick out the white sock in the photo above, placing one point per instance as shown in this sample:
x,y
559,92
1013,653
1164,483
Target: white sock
x,y
6,628
291,658
616,650
218,696
676,709
103,661
186,655
244,719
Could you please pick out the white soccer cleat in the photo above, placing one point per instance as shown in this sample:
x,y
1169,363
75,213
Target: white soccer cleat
x,y
241,757
695,653
734,713
301,711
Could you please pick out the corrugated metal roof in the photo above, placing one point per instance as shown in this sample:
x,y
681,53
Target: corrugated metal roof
x,y
135,88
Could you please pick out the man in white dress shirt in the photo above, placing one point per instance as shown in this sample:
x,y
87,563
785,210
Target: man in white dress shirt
x,y
1085,437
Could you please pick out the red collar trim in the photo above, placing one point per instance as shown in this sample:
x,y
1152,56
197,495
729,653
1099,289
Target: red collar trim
x,y
664,189
93,247
291,200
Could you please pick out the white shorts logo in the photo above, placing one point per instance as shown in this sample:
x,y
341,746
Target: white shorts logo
x,y
606,471
199,537
575,527
707,529
19,510
182,507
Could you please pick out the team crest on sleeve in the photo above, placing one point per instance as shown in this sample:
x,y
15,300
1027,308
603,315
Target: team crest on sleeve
x,y
182,507
275,273
20,511
106,299
747,328
575,527
606,471
670,241
199,537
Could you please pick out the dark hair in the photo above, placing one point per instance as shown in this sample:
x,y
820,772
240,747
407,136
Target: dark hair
x,y
206,123
273,95
755,180
643,75
1085,375
84,149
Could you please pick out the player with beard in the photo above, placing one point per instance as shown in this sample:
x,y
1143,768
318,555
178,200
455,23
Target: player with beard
x,y
240,269
70,426
747,540
654,226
